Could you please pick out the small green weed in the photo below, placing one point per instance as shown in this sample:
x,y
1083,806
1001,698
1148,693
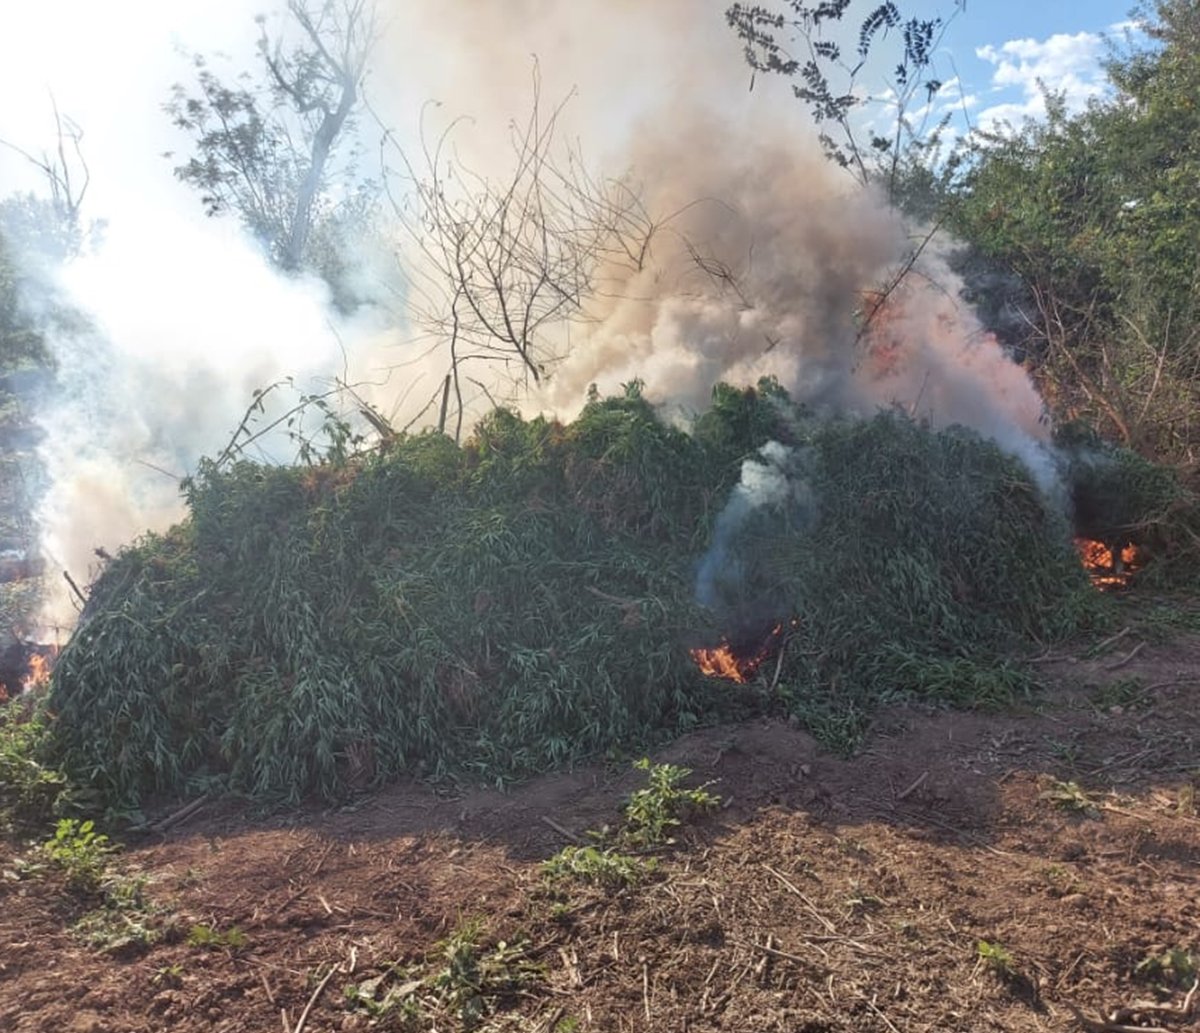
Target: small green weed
x,y
80,851
398,997
996,959
1071,796
650,813
1061,881
472,979
115,928
1176,967
170,976
661,805
467,980
1161,623
604,867
861,902
1067,751
851,847
1120,695
206,936
560,911
839,725
30,791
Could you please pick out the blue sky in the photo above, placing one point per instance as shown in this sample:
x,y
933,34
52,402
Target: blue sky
x,y
1000,50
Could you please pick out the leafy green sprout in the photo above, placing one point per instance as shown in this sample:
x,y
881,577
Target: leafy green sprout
x,y
168,976
212,938
996,958
1120,694
462,976
81,852
650,813
662,804
605,867
1071,796
1174,967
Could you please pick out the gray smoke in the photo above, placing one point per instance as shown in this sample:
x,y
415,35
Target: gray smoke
x,y
765,259
772,483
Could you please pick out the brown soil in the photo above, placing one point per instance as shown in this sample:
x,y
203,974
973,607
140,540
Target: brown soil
x,y
826,894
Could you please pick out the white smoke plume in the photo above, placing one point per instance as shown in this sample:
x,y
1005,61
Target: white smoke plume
x,y
765,260
158,375
773,479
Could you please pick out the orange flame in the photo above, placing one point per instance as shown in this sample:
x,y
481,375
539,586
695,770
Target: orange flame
x,y
1108,568
39,673
723,662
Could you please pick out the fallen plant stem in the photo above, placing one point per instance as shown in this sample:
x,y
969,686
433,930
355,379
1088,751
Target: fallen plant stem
x,y
774,952
920,781
1100,646
807,903
181,815
313,999
886,1021
565,833
1104,1026
1126,658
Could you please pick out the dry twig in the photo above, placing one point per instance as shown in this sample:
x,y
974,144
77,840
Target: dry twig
x,y
566,833
807,903
313,999
1126,658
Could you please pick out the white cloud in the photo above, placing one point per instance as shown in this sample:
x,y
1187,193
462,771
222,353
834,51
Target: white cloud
x,y
1068,65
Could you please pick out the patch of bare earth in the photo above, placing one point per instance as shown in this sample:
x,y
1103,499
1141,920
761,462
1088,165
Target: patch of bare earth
x,y
825,895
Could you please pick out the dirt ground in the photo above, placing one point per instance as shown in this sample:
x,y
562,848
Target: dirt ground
x,y
966,871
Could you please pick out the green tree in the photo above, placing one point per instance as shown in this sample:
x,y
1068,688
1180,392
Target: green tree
x,y
276,149
1097,215
794,39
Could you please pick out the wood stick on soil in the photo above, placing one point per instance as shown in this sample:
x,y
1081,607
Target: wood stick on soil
x,y
914,787
886,1021
1140,1009
270,991
181,815
324,856
1099,646
551,1021
761,967
807,903
773,952
646,989
1101,1026
313,999
1126,658
566,833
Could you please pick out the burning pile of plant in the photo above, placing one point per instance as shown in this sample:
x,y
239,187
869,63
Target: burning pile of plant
x,y
531,598
910,561
1133,517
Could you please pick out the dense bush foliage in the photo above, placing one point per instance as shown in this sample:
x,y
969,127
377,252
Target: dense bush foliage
x,y
910,561
1096,215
